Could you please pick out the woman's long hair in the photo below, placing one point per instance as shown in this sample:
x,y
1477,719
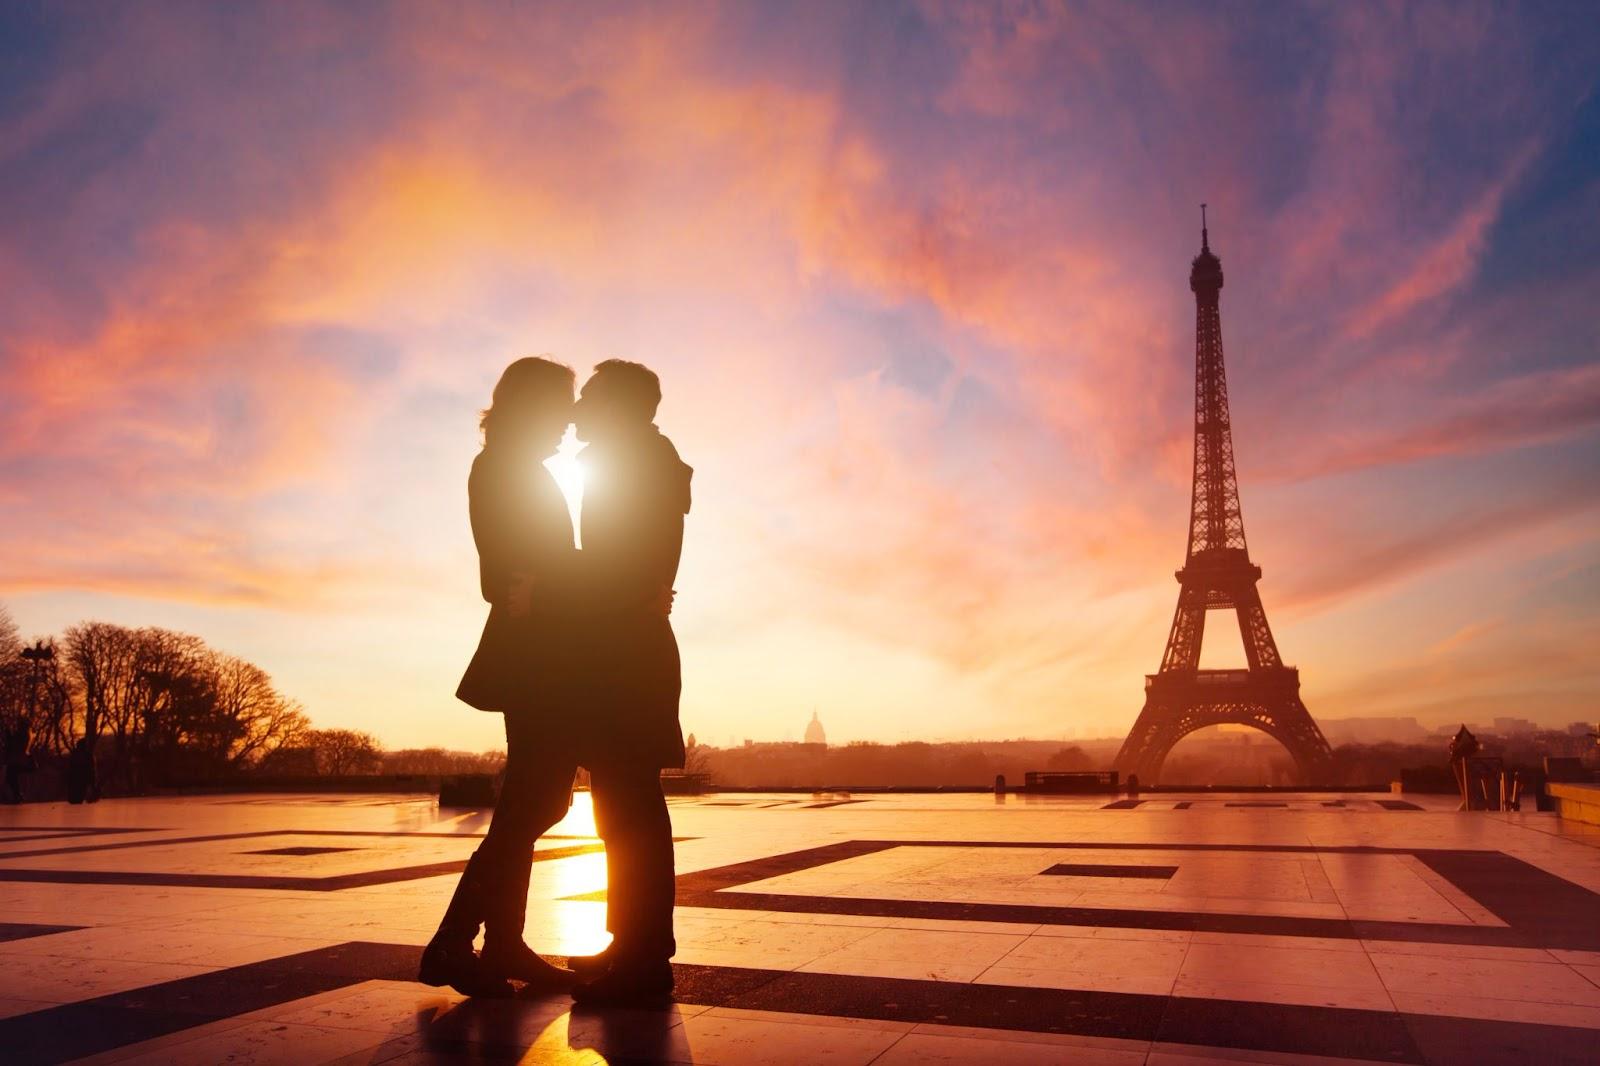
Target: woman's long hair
x,y
524,387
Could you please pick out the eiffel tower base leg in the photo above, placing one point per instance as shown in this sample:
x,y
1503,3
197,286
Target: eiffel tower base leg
x,y
1174,707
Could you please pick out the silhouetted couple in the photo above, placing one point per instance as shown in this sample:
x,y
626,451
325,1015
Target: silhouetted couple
x,y
578,655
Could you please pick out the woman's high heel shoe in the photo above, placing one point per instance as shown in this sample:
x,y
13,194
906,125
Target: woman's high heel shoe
x,y
457,965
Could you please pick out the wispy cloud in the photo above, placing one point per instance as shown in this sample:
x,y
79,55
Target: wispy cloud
x,y
914,275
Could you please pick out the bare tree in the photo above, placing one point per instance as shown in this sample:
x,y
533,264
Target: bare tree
x,y
346,751
438,761
695,760
100,657
14,674
10,638
173,707
261,719
38,691
1070,757
163,706
51,695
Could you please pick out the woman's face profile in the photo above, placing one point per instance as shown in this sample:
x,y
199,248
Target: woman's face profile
x,y
547,424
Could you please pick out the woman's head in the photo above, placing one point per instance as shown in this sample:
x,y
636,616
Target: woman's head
x,y
532,405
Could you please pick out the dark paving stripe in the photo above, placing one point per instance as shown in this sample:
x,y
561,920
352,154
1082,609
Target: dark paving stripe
x,y
1121,805
743,873
23,930
788,862
79,830
1338,1032
362,879
59,833
73,1030
1183,806
1108,918
1488,1043
829,803
1080,869
255,833
1540,909
1550,910
1397,805
1036,1010
124,844
301,852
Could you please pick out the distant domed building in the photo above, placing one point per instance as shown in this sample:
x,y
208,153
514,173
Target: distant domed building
x,y
814,733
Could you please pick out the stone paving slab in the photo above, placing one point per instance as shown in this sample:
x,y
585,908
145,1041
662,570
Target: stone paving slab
x,y
890,928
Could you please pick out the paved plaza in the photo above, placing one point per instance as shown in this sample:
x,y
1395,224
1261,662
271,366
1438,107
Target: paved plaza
x,y
821,929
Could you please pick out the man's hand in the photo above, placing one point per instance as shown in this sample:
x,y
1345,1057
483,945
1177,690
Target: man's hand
x,y
519,596
661,602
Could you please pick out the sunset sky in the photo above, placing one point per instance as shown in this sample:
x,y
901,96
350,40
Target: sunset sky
x,y
915,279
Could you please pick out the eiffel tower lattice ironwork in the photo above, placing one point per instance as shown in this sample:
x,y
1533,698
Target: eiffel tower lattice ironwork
x,y
1218,575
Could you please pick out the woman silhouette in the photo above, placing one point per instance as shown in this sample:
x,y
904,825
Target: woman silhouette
x,y
522,670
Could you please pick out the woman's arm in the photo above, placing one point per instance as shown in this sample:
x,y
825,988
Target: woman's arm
x,y
487,509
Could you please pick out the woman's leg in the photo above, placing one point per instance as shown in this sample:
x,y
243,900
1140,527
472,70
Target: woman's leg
x,y
477,889
543,796
482,891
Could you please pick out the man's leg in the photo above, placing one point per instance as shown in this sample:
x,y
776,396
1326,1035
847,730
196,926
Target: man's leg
x,y
632,810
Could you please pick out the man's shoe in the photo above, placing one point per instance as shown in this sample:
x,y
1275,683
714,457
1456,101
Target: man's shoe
x,y
628,985
458,966
589,967
518,962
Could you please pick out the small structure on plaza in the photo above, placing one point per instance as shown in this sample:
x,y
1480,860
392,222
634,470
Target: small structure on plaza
x,y
1079,782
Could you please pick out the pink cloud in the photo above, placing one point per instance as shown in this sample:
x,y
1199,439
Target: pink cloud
x,y
616,184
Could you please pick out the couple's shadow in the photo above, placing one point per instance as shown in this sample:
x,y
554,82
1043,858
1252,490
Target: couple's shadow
x,y
544,1026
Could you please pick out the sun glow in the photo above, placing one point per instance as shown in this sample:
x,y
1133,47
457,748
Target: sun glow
x,y
568,472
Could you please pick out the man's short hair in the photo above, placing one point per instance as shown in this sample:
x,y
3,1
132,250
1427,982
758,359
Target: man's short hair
x,y
634,384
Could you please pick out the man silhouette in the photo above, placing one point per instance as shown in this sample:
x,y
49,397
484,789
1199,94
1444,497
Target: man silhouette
x,y
636,493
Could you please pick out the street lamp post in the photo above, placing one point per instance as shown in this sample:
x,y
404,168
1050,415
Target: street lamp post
x,y
18,737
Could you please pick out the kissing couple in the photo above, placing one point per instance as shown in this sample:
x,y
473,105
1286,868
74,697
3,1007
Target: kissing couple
x,y
579,657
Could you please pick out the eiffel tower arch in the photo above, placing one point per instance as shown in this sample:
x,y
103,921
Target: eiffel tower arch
x,y
1217,576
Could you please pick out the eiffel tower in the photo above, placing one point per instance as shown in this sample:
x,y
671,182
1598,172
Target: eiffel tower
x,y
1218,575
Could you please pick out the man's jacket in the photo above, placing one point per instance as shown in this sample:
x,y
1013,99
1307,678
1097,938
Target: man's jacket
x,y
636,493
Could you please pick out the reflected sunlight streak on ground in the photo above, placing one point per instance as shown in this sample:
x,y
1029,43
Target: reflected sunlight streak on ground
x,y
563,925
579,821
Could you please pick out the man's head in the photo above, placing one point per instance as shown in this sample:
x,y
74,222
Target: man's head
x,y
619,398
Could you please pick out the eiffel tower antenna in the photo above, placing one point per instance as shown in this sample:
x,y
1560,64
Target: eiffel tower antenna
x,y
1218,575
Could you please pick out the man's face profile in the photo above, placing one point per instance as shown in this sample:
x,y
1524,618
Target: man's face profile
x,y
597,411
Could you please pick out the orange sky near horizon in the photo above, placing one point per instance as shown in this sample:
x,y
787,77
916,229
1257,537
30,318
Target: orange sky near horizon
x,y
914,276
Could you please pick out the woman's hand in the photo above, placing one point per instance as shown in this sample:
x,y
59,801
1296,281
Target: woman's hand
x,y
661,602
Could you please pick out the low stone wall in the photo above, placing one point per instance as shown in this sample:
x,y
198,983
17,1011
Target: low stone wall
x,y
1581,803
